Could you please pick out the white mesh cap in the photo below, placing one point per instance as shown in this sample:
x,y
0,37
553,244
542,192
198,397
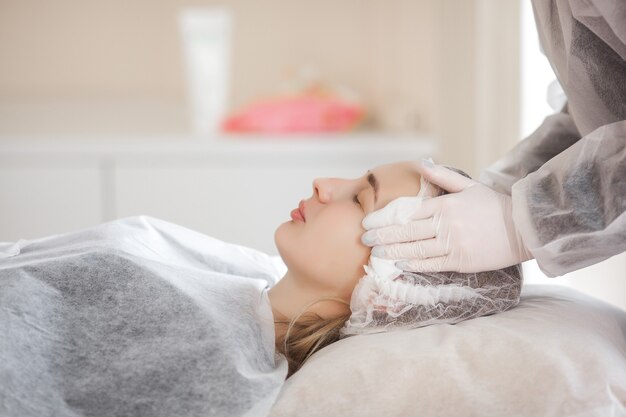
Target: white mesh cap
x,y
412,300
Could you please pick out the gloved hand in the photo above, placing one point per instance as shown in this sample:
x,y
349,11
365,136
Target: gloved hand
x,y
469,230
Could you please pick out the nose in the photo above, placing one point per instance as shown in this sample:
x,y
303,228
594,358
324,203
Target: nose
x,y
322,189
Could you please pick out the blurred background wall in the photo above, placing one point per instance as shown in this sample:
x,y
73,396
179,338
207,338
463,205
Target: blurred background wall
x,y
130,52
94,109
87,67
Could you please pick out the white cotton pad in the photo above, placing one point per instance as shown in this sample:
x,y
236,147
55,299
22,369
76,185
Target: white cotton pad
x,y
397,211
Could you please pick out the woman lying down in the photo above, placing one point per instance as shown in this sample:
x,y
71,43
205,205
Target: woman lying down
x,y
146,318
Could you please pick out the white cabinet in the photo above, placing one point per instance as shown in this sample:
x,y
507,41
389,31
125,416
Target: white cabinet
x,y
235,190
44,199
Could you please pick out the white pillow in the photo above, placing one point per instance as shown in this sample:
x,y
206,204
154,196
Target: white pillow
x,y
558,353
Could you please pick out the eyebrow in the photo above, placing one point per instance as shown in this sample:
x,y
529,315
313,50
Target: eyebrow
x,y
374,183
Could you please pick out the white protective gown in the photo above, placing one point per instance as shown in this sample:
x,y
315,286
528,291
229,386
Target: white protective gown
x,y
568,179
137,317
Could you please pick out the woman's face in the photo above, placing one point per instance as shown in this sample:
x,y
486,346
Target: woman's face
x,y
325,251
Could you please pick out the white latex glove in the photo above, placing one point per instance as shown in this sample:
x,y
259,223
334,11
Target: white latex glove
x,y
469,230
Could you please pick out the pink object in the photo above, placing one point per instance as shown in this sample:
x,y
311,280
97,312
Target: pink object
x,y
296,114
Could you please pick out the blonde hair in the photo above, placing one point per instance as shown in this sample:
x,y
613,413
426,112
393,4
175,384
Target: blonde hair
x,y
308,333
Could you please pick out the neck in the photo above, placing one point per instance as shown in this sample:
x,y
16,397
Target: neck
x,y
291,294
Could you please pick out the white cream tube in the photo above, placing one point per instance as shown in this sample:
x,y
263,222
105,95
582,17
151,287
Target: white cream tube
x,y
206,42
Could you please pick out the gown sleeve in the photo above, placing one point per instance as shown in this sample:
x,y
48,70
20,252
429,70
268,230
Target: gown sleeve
x,y
571,212
568,179
557,133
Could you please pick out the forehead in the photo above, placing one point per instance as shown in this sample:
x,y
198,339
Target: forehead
x,y
396,180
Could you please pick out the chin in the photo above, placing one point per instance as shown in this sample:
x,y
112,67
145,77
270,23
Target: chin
x,y
289,245
281,240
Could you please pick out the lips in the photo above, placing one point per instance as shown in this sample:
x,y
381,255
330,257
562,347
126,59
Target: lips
x,y
298,213
302,209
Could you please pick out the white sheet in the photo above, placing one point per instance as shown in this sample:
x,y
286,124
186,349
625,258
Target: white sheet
x,y
136,317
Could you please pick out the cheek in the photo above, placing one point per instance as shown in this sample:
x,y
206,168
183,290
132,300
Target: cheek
x,y
328,250
337,230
